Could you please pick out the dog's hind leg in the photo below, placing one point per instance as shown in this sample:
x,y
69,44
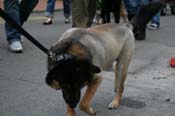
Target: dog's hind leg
x,y
116,80
121,74
90,92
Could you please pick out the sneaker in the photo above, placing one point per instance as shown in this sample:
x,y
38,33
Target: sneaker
x,y
16,47
22,38
67,20
153,26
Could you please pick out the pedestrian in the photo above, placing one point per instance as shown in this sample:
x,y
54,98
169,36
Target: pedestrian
x,y
83,12
19,11
132,7
109,6
49,13
155,22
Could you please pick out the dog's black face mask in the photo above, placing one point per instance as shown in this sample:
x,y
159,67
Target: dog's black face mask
x,y
70,76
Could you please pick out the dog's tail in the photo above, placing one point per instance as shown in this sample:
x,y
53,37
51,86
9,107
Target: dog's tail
x,y
144,15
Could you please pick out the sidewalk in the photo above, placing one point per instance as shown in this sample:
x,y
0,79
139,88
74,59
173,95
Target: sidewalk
x,y
39,8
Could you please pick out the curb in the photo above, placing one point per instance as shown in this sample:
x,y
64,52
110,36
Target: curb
x,y
42,11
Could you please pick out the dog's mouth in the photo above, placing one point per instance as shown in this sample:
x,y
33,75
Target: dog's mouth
x,y
55,85
57,89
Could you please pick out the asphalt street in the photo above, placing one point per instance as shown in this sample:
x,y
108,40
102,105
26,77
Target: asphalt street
x,y
149,88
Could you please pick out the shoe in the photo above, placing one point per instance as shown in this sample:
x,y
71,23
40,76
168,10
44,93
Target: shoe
x,y
153,26
16,47
48,21
22,38
67,20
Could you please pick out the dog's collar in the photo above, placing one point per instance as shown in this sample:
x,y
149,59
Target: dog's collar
x,y
130,25
62,57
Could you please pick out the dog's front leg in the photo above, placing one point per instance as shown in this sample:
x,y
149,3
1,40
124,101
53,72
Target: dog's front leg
x,y
70,111
90,92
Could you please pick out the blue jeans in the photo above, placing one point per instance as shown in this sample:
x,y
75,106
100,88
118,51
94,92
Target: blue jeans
x,y
133,6
66,9
156,18
51,7
20,13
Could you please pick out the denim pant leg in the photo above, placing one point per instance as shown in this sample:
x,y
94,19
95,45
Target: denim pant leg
x,y
66,8
11,7
19,12
50,8
156,18
132,6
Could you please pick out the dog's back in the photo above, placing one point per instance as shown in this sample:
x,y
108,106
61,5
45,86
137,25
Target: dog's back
x,y
104,42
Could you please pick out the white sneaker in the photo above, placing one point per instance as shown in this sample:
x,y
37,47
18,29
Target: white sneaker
x,y
67,20
16,47
22,38
153,26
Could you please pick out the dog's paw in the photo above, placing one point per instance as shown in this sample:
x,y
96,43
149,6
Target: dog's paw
x,y
70,114
88,110
113,105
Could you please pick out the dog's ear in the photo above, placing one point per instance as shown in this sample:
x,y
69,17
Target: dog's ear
x,y
49,78
86,64
95,68
51,75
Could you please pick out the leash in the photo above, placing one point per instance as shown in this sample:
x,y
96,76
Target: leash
x,y
13,23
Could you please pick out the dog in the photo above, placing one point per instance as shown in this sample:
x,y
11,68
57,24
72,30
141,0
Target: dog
x,y
82,53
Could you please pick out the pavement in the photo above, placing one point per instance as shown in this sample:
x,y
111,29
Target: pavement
x,y
149,88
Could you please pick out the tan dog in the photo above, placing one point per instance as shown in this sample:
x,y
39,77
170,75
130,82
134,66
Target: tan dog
x,y
81,54
100,46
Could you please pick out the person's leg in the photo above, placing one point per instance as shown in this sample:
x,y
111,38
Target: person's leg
x,y
79,13
66,10
132,8
155,22
11,7
103,11
141,35
156,19
26,7
49,11
117,8
91,11
50,8
108,6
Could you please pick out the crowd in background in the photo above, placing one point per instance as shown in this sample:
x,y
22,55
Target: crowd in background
x,y
83,13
